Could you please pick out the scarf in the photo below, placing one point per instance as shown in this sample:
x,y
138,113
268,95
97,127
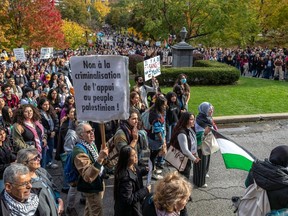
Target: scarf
x,y
126,128
36,137
92,149
28,208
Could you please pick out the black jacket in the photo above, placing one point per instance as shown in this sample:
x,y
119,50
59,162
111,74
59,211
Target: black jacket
x,y
272,178
130,193
6,158
46,126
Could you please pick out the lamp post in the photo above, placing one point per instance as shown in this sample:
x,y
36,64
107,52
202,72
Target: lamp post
x,y
183,34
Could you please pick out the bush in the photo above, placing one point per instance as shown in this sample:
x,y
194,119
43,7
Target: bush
x,y
133,61
213,73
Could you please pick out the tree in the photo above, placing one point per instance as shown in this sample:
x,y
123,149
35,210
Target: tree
x,y
74,34
75,10
33,24
4,26
102,8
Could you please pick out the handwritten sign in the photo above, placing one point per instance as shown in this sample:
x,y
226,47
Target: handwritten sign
x,y
152,68
19,54
46,53
101,86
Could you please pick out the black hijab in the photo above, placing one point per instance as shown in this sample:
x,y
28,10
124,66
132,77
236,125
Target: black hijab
x,y
279,156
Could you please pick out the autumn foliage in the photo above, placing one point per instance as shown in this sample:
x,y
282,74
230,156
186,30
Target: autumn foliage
x,y
32,24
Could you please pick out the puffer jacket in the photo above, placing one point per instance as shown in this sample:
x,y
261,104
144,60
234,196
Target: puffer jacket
x,y
272,178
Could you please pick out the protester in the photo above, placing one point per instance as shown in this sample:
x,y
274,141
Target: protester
x,y
136,103
40,178
127,133
19,198
16,89
181,98
182,81
157,135
272,175
172,114
129,191
204,122
6,156
28,97
89,165
27,129
184,139
170,197
144,89
10,99
50,123
7,120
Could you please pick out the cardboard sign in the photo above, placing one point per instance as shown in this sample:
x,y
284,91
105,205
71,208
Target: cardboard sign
x,y
152,68
46,53
19,54
101,86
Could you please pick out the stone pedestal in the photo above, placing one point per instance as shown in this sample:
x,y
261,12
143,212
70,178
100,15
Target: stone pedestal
x,y
182,55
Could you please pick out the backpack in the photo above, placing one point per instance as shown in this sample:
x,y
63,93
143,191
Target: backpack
x,y
254,202
70,171
145,120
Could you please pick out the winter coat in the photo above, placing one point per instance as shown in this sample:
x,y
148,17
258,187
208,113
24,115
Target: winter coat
x,y
272,178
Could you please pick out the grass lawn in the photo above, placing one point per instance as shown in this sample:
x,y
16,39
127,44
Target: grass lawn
x,y
248,96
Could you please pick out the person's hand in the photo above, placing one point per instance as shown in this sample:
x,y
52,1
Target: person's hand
x,y
63,120
103,154
135,133
44,143
149,188
52,134
60,206
197,160
207,130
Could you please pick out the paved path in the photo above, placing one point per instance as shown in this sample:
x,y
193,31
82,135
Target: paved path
x,y
258,137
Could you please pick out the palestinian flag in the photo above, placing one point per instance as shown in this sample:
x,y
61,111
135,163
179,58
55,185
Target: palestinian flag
x,y
234,155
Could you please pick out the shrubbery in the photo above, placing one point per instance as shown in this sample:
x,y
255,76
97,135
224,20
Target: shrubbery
x,y
133,61
204,72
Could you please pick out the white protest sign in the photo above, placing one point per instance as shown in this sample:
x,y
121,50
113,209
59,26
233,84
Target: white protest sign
x,y
101,86
158,43
46,53
152,68
19,54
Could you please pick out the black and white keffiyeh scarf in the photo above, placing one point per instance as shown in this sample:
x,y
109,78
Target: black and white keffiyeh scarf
x,y
28,208
92,150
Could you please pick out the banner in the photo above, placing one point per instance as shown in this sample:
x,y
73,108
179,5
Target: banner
x,y
46,53
19,54
152,68
101,85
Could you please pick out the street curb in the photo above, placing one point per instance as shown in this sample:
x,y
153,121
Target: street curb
x,y
250,118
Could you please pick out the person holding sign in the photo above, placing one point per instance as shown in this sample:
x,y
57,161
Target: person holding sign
x,y
89,165
144,89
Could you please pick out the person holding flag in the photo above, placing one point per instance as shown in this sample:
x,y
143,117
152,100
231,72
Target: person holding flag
x,y
204,122
272,175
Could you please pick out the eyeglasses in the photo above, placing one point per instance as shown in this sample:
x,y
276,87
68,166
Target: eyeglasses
x,y
37,157
25,184
90,131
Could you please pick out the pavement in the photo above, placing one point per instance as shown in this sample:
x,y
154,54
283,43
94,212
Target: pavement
x,y
258,133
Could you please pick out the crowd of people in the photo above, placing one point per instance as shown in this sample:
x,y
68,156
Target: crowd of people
x,y
38,121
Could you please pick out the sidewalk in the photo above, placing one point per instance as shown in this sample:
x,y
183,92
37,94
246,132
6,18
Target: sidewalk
x,y
250,118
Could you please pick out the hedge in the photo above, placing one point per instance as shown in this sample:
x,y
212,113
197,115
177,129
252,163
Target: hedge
x,y
204,73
